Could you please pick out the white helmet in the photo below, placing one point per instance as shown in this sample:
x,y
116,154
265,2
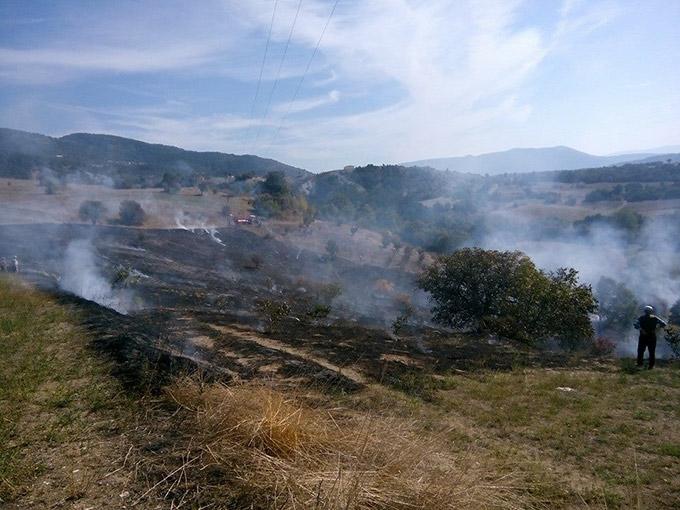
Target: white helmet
x,y
649,309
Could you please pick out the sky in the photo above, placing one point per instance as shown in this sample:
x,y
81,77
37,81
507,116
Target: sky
x,y
325,83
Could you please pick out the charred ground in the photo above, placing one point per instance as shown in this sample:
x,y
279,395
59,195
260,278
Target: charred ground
x,y
197,299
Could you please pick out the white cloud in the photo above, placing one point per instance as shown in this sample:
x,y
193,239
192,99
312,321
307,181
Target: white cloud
x,y
414,78
303,105
458,66
107,58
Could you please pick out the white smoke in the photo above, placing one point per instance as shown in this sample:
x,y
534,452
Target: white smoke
x,y
80,275
197,225
649,267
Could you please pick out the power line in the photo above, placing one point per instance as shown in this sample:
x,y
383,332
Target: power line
x,y
309,64
264,59
278,74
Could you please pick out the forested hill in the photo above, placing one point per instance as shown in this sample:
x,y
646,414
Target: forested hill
x,y
661,169
117,157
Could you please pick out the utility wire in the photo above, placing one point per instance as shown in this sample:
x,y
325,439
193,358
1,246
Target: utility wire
x,y
259,79
309,64
278,74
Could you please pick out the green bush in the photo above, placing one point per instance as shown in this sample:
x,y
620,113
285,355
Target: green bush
x,y
272,312
91,210
673,339
131,213
506,294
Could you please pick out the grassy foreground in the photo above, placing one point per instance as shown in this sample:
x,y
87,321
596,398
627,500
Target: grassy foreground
x,y
600,437
60,411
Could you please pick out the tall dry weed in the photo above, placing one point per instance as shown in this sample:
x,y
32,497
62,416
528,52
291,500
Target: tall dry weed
x,y
280,453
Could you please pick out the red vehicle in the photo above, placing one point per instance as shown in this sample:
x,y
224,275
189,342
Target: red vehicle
x,y
251,219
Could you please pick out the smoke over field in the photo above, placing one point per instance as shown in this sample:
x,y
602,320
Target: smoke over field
x,y
366,230
81,276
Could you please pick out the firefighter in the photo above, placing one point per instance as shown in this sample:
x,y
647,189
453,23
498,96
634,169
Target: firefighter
x,y
647,325
15,263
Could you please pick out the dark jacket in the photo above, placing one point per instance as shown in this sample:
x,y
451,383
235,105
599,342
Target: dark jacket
x,y
647,325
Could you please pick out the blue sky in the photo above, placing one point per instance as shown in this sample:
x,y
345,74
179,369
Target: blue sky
x,y
392,80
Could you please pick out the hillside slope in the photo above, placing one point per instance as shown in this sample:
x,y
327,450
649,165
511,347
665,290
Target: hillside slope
x,y
20,152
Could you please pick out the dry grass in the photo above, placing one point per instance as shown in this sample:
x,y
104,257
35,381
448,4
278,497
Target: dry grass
x,y
282,453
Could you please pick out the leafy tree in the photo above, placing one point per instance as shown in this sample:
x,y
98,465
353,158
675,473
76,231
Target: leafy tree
x,y
203,185
308,216
617,305
131,213
275,184
91,210
674,316
171,183
625,219
504,293
51,187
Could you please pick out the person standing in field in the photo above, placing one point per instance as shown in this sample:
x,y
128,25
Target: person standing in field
x,y
647,325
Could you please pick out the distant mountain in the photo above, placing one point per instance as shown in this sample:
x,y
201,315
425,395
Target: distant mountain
x,y
526,160
660,158
21,152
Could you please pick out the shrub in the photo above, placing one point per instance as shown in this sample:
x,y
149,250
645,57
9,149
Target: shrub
x,y
319,311
272,312
50,188
400,323
254,263
603,346
327,292
673,339
131,213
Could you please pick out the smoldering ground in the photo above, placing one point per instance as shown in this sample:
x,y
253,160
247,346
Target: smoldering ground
x,y
81,275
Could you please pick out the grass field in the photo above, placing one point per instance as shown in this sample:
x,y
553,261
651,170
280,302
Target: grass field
x,y
603,436
24,201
